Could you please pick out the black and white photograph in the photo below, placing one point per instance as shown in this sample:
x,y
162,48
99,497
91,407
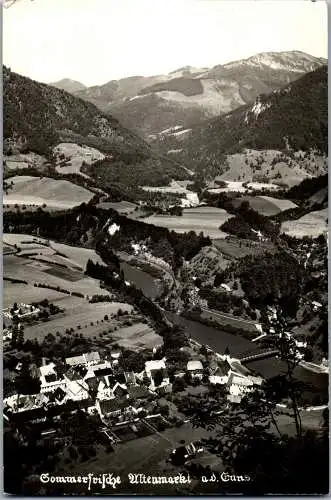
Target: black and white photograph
x,y
165,248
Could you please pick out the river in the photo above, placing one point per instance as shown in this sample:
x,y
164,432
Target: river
x,y
219,340
150,287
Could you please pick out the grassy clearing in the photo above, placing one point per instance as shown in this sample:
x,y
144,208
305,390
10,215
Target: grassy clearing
x,y
312,224
200,219
54,193
234,248
122,207
266,205
36,272
273,166
23,160
75,155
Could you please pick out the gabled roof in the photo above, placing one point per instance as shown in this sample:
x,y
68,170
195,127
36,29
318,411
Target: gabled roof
x,y
92,383
194,365
237,379
119,390
155,364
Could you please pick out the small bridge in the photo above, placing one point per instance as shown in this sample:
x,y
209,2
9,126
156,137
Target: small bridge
x,y
258,354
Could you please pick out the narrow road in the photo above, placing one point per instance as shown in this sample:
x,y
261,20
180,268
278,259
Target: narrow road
x,y
229,316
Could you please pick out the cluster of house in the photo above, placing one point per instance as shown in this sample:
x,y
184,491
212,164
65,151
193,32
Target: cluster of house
x,y
228,372
102,386
21,312
93,384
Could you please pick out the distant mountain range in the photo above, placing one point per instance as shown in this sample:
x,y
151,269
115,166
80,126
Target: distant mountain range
x,y
68,85
188,96
292,118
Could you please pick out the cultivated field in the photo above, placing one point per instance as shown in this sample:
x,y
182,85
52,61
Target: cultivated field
x,y
200,219
53,193
266,205
75,155
80,315
78,256
122,207
312,224
19,292
67,274
137,337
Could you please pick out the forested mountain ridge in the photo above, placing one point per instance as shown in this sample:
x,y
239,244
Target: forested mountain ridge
x,y
37,117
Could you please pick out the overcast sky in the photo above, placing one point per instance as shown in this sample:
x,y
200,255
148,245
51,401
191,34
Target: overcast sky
x,y
94,41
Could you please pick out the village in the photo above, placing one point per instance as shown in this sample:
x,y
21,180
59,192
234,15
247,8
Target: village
x,y
124,403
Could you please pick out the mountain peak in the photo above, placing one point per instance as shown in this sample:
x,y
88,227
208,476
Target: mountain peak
x,y
294,60
69,85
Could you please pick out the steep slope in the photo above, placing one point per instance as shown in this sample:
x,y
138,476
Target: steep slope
x,y
68,85
189,95
37,117
294,118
